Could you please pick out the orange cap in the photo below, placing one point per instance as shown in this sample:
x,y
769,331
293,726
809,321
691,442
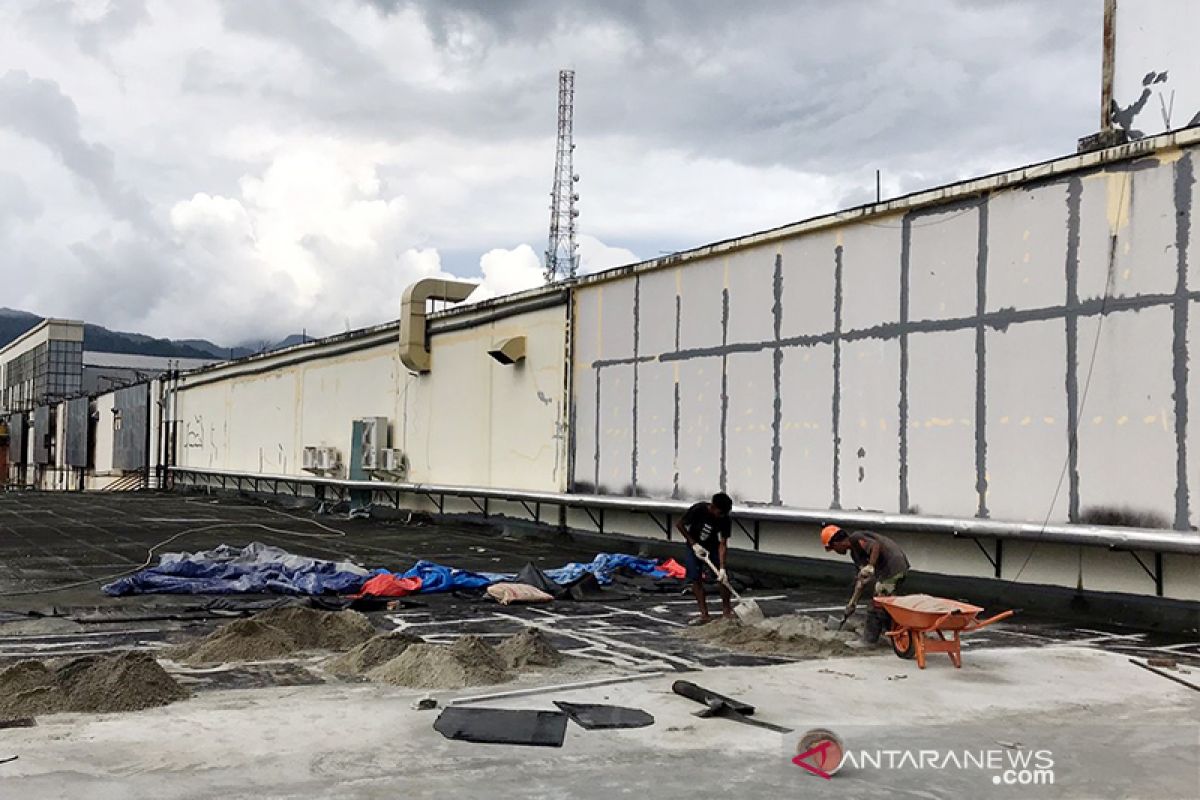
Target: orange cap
x,y
827,534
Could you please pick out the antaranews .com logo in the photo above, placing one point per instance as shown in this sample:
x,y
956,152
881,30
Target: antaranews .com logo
x,y
822,753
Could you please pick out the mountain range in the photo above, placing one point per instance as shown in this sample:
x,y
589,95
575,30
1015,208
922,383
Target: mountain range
x,y
14,322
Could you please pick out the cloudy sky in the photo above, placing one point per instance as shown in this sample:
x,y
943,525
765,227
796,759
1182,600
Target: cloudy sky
x,y
242,169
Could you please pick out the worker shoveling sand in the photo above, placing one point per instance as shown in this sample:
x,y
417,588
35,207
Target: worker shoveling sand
x,y
372,653
277,633
128,681
792,635
470,661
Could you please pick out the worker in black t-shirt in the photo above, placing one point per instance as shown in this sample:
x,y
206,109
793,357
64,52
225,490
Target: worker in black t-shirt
x,y
705,527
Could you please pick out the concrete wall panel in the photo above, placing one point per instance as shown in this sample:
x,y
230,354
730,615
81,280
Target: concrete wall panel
x,y
806,429
749,427
870,273
656,330
1027,422
615,466
699,427
701,304
870,458
941,422
808,284
1027,246
752,295
942,263
1126,434
656,429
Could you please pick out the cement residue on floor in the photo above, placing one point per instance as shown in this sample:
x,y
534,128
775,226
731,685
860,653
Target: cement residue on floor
x,y
128,681
277,633
792,635
529,648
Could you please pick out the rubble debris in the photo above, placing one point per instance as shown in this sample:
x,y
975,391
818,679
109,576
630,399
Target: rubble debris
x,y
470,661
372,653
502,726
595,716
529,648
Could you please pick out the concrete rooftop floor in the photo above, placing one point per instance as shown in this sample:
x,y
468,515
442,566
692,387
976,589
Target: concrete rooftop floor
x,y
283,730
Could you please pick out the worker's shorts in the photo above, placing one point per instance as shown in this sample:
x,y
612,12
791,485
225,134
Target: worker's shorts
x,y
696,569
889,585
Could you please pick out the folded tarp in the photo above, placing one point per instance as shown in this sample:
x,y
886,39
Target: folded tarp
x,y
256,568
440,578
603,566
385,584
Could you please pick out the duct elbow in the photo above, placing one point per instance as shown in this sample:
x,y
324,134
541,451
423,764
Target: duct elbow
x,y
414,344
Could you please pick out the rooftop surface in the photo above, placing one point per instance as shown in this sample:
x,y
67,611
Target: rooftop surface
x,y
285,729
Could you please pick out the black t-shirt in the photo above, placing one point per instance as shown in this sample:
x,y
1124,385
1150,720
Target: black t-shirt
x,y
891,561
706,527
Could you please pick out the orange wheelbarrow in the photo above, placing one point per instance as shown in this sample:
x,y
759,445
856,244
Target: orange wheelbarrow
x,y
915,617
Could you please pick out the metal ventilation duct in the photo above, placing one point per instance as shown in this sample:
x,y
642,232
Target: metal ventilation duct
x,y
414,349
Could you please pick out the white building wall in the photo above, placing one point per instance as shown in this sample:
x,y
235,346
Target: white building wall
x,y
470,420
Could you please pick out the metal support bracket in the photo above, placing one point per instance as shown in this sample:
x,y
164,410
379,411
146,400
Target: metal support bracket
x,y
597,518
752,535
1155,574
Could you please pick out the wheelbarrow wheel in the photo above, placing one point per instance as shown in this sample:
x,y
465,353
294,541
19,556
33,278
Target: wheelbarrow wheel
x,y
903,642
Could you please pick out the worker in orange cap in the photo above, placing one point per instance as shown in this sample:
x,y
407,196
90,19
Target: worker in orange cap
x,y
882,567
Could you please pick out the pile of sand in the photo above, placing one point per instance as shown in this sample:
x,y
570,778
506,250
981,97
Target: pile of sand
x,y
793,635
470,661
277,633
372,653
320,630
240,640
529,648
127,681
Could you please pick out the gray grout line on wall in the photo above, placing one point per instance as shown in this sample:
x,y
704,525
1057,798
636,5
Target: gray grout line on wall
x,y
675,425
836,409
777,380
637,317
981,275
1074,196
723,482
1185,180
905,257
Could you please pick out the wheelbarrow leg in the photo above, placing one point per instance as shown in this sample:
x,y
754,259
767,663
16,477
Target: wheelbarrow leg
x,y
919,640
956,653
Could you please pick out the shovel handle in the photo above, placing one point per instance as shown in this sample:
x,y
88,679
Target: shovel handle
x,y
732,591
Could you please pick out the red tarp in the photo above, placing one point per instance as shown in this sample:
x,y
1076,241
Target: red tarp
x,y
388,585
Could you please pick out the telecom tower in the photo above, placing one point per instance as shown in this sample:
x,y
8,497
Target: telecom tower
x,y
562,261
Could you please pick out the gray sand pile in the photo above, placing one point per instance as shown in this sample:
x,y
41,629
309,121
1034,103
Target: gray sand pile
x,y
470,661
529,648
792,635
240,640
29,688
370,654
127,681
277,633
320,630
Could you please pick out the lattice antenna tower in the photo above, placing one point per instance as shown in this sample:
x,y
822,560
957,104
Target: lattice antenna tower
x,y
562,258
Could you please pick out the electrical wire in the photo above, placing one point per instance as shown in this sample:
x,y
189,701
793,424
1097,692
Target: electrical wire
x,y
336,534
1087,383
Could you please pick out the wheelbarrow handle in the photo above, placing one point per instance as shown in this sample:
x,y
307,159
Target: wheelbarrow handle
x,y
983,623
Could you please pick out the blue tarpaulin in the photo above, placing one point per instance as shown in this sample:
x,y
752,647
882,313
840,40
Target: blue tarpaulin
x,y
232,570
260,568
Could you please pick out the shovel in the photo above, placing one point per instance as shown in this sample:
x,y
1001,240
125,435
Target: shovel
x,y
833,623
747,611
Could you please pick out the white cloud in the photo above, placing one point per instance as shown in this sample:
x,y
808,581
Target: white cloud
x,y
230,169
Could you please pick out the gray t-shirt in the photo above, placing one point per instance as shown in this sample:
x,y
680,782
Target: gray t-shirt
x,y
891,560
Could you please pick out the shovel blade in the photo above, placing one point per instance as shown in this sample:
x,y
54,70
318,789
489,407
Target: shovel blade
x,y
748,612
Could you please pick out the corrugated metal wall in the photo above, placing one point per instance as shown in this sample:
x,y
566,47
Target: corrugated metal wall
x,y
129,440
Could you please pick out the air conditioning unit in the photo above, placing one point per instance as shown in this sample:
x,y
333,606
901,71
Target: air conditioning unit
x,y
374,442
310,458
395,462
328,459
